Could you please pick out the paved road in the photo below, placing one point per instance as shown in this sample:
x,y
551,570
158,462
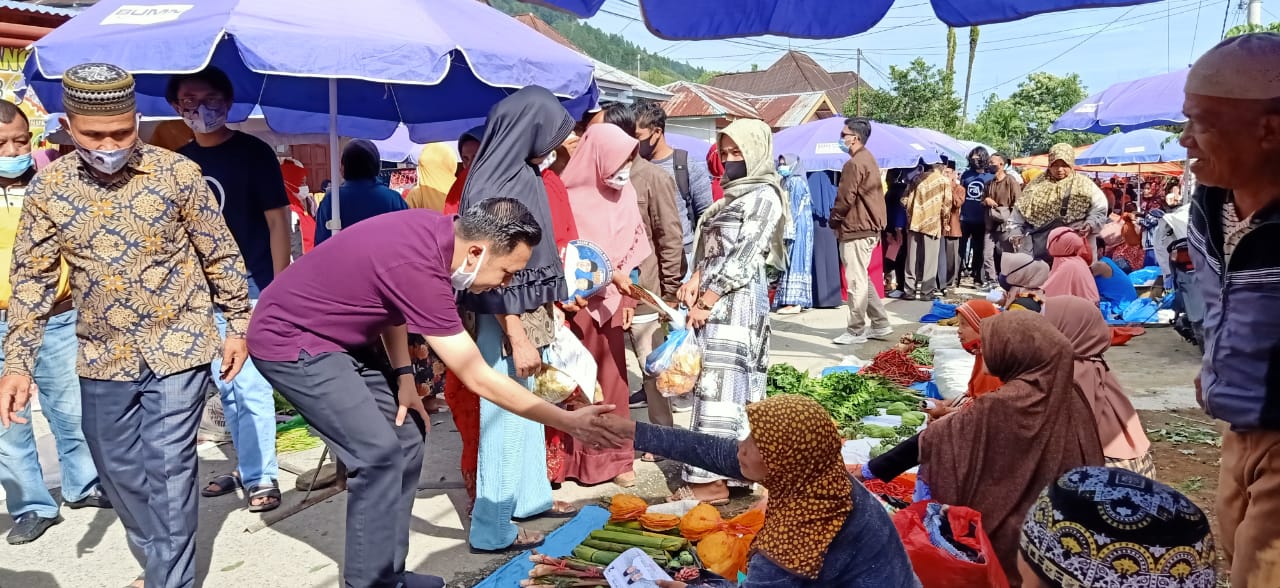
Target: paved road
x,y
235,549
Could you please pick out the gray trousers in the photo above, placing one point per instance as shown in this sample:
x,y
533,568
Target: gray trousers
x,y
142,436
349,400
991,255
922,263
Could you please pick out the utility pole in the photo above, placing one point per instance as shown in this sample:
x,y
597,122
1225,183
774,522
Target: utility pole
x,y
1255,13
858,92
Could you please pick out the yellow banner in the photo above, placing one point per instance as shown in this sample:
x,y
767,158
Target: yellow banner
x,y
11,80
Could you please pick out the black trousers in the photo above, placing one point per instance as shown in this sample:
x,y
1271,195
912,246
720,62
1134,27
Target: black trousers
x,y
973,240
350,400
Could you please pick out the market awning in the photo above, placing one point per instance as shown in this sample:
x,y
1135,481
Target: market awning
x,y
814,19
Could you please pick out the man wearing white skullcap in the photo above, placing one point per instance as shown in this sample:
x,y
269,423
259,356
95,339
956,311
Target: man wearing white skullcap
x,y
1233,137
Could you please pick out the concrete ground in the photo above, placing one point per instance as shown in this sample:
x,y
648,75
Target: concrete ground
x,y
305,548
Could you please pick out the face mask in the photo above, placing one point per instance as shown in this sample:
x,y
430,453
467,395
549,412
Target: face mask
x,y
547,161
107,162
845,147
12,167
735,170
620,179
784,170
972,347
204,119
462,279
646,148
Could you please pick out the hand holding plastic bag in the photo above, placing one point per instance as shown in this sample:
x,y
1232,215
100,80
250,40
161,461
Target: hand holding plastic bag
x,y
676,363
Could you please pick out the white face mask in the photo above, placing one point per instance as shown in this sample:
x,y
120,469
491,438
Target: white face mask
x,y
461,279
547,161
107,162
205,120
619,180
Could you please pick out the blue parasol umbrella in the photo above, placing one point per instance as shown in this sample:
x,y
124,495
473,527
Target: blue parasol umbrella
x,y
1136,104
695,146
1140,146
814,19
320,66
818,145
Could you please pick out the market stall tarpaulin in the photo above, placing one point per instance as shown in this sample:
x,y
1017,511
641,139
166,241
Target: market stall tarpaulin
x,y
323,66
1135,104
813,19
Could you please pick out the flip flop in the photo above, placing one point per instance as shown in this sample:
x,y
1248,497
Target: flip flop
x,y
685,493
224,484
651,458
569,511
516,547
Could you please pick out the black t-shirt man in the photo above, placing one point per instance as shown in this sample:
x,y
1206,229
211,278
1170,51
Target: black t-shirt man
x,y
244,174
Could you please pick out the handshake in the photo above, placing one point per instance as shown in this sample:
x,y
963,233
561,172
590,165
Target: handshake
x,y
597,427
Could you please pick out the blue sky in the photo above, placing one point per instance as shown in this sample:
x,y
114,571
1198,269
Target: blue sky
x,y
1104,46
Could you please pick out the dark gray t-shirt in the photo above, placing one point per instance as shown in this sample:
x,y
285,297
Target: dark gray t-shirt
x,y
699,199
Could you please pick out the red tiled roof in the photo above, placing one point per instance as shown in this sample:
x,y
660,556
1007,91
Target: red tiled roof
x,y
541,26
795,72
789,110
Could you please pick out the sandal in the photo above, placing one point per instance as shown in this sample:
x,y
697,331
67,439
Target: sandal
x,y
686,493
221,485
525,539
651,458
558,510
271,492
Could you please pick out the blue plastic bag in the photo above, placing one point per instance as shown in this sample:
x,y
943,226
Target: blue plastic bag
x,y
676,364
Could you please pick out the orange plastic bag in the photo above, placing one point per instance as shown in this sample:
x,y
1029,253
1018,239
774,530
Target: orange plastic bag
x,y
625,507
659,522
722,545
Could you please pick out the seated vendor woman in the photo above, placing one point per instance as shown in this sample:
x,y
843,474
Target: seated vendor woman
x,y
821,528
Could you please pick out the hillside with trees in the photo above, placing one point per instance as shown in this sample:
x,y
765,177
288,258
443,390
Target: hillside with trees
x,y
612,49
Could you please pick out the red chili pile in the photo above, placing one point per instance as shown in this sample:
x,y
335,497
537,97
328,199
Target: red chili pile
x,y
897,367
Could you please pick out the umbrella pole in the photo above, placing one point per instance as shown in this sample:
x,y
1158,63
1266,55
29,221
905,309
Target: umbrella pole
x,y
335,222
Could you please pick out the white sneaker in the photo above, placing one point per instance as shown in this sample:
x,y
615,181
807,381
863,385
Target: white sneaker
x,y
848,338
883,334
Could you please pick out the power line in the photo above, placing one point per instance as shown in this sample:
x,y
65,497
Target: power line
x,y
1056,57
1194,35
1224,20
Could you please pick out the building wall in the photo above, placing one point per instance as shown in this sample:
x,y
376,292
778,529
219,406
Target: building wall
x,y
698,127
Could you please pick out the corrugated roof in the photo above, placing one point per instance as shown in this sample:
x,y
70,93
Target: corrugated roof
x,y
690,99
794,72
38,9
789,110
604,72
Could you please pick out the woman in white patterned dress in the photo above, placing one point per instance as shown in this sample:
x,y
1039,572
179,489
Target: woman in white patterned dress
x,y
728,294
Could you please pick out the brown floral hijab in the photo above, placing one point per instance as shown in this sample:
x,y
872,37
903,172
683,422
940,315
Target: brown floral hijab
x,y
1041,200
810,493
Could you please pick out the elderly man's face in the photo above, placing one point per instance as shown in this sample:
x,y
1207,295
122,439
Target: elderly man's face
x,y
1231,141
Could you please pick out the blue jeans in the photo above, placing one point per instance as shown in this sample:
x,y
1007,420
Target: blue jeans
x,y
55,375
250,409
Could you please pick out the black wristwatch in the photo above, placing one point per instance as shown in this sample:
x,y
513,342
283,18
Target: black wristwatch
x,y
403,371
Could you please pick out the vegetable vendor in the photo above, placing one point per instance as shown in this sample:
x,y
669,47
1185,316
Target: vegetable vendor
x,y
821,528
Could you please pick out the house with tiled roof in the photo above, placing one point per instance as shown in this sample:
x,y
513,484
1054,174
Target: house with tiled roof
x,y
700,111
793,73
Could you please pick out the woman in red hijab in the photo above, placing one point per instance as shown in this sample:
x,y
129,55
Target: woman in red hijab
x,y
716,168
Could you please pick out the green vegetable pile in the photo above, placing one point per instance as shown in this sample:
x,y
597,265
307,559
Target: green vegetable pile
x,y
847,396
922,355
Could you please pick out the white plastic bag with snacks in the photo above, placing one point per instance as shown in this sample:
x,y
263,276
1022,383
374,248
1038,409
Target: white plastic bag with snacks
x,y
676,363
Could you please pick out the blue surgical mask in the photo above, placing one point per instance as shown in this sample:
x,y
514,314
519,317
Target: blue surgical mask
x,y
845,147
784,170
107,162
12,167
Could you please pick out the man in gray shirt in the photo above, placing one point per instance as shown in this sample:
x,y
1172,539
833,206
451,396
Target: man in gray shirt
x,y
691,174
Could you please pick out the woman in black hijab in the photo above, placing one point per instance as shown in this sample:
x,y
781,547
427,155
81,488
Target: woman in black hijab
x,y
513,323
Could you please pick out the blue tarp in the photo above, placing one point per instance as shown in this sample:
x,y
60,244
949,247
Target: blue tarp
x,y
939,312
814,19
559,543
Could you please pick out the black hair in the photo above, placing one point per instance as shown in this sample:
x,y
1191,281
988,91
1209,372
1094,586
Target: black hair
x,y
360,160
621,116
216,78
860,126
504,222
10,111
984,158
1002,157
650,115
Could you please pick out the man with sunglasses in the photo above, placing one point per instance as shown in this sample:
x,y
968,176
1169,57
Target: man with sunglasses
x,y
244,175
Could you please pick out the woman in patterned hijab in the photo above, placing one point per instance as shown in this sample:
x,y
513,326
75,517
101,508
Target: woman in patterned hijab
x,y
1111,527
820,528
1042,198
